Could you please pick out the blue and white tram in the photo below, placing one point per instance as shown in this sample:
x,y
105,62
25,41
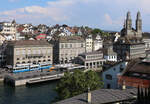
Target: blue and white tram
x,y
32,67
20,69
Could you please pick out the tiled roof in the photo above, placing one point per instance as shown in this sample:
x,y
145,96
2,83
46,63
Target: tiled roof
x,y
28,43
137,66
102,96
70,39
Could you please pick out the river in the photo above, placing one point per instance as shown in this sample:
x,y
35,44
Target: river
x,y
41,93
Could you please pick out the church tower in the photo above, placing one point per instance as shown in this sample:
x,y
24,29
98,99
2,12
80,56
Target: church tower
x,y
128,24
139,25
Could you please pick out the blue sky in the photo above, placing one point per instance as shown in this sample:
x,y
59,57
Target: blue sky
x,y
104,14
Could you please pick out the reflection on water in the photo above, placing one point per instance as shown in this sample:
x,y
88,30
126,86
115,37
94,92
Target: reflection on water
x,y
41,93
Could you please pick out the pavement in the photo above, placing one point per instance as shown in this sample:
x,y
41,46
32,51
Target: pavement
x,y
32,74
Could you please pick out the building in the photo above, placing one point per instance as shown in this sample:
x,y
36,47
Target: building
x,y
28,51
130,45
109,53
110,72
103,96
2,39
136,74
89,44
97,43
67,48
8,28
91,60
40,37
147,43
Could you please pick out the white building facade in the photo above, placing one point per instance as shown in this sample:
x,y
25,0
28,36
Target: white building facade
x,y
89,44
97,43
8,28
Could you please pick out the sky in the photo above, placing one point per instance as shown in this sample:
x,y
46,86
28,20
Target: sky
x,y
103,14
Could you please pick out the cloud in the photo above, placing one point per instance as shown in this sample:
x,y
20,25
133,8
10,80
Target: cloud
x,y
109,21
13,0
57,11
56,14
107,13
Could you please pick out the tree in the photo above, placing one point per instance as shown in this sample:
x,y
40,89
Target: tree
x,y
100,32
77,83
96,31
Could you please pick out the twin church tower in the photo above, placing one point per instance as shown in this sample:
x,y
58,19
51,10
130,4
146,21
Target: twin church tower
x,y
128,30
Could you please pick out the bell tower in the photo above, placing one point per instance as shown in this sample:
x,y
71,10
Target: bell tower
x,y
139,25
128,24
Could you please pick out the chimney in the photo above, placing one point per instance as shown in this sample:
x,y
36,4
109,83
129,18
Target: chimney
x,y
89,96
124,85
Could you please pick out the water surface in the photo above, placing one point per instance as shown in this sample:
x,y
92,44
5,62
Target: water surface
x,y
41,93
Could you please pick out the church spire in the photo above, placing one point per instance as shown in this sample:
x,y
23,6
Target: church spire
x,y
138,15
128,21
139,24
124,25
128,15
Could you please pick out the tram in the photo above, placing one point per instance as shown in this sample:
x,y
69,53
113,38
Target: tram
x,y
31,67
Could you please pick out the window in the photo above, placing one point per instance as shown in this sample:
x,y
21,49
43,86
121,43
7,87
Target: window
x,y
17,58
18,63
29,51
81,44
34,51
114,69
66,45
108,76
62,46
23,51
23,62
17,52
70,45
29,61
39,51
121,68
48,51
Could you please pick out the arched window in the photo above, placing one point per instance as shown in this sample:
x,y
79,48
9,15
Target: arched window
x,y
29,61
18,63
34,62
23,62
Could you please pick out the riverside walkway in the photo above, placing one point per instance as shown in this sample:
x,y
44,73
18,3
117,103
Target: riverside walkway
x,y
31,77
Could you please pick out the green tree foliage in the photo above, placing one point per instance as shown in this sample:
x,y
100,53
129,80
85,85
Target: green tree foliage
x,y
99,31
77,83
96,31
